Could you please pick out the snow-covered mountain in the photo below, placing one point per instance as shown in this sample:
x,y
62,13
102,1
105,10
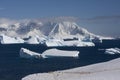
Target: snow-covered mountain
x,y
40,30
51,29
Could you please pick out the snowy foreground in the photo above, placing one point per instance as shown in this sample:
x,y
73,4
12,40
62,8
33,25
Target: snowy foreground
x,y
50,53
102,71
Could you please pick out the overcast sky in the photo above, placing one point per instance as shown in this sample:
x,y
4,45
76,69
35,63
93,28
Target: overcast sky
x,y
99,16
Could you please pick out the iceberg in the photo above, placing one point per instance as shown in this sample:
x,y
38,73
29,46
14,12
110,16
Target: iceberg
x,y
112,51
52,43
25,53
35,40
59,53
32,40
50,53
9,40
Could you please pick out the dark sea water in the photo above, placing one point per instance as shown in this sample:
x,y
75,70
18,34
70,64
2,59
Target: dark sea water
x,y
12,67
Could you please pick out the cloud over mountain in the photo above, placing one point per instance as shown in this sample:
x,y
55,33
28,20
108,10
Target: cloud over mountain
x,y
52,27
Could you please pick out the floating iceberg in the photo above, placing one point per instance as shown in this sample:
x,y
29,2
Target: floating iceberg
x,y
51,43
112,51
50,53
59,53
9,40
4,39
25,53
35,40
77,43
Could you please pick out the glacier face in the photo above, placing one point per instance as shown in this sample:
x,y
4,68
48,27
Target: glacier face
x,y
9,40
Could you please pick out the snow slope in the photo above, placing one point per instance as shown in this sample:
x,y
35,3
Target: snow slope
x,y
55,28
9,40
102,71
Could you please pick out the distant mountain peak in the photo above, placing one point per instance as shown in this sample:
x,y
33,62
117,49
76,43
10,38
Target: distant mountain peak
x,y
64,29
52,28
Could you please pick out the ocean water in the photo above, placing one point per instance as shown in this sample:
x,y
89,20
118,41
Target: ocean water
x,y
12,67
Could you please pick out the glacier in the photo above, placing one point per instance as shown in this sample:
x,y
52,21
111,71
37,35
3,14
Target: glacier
x,y
4,39
9,40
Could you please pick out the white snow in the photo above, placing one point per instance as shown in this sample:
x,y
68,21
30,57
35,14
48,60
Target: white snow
x,y
4,39
112,51
59,53
78,43
53,28
41,40
57,29
101,71
25,53
51,43
9,40
50,53
32,40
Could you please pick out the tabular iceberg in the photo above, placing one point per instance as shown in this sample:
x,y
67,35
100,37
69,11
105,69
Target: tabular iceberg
x,y
59,53
50,53
51,43
9,40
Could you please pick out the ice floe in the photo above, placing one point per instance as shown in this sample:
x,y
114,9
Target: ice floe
x,y
112,51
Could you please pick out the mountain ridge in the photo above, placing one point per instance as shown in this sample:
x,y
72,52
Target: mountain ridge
x,y
44,29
